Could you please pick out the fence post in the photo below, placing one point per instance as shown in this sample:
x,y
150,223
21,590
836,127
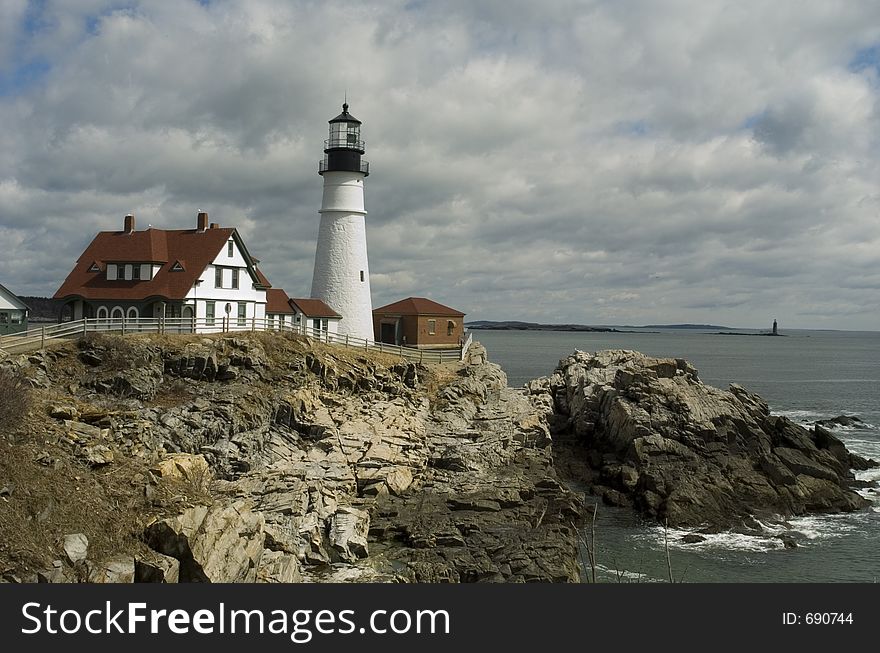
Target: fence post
x,y
254,323
85,324
123,325
421,355
346,340
42,337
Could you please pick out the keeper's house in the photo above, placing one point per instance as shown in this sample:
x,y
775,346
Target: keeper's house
x,y
419,322
13,313
204,273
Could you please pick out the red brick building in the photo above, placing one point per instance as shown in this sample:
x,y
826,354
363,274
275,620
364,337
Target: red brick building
x,y
419,322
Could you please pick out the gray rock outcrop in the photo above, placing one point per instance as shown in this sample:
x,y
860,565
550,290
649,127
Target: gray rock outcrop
x,y
649,433
267,458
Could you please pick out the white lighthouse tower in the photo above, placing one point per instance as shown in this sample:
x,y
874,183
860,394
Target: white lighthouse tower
x,y
342,275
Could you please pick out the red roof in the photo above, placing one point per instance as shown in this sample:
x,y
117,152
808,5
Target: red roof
x,y
277,301
194,249
262,277
313,308
418,306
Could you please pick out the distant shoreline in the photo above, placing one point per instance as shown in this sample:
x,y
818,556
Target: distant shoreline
x,y
512,325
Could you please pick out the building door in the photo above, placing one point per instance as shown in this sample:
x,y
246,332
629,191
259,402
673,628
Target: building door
x,y
387,333
188,325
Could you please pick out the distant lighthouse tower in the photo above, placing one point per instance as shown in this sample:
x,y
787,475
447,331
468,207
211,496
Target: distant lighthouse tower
x,y
342,275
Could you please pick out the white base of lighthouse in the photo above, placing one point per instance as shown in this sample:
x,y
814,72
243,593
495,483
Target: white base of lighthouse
x,y
342,275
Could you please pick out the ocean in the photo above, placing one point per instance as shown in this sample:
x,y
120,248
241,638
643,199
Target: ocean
x,y
806,376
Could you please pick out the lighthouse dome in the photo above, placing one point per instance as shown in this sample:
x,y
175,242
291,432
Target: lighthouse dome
x,y
345,116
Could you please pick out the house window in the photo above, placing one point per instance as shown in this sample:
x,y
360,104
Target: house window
x,y
111,272
132,313
235,278
209,313
136,272
242,313
218,277
230,249
324,325
116,313
126,269
102,313
432,327
271,319
15,317
316,324
94,268
4,318
177,267
362,275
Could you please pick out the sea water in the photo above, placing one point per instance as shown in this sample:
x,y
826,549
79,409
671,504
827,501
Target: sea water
x,y
806,376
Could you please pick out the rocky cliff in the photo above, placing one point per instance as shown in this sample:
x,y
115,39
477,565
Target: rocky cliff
x,y
274,459
647,432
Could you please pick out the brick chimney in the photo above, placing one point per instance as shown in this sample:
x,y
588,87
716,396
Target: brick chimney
x,y
202,224
128,224
214,225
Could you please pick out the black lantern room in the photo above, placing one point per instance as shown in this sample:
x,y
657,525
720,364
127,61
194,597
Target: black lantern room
x,y
343,150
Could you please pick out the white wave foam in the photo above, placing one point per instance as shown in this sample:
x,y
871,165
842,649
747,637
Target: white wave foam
x,y
724,541
802,417
804,530
625,575
809,417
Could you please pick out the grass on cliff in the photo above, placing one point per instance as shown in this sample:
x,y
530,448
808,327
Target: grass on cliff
x,y
47,492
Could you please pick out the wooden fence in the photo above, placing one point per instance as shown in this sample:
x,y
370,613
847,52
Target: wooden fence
x,y
37,337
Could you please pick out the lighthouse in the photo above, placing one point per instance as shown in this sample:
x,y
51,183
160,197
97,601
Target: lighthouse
x,y
342,275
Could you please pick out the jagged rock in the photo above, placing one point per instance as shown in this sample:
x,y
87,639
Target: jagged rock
x,y
57,573
348,534
183,467
80,431
76,547
693,453
156,568
692,538
90,357
217,544
120,569
788,541
840,420
97,455
63,411
278,567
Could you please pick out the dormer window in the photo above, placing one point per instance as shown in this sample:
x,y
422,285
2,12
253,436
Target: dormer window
x,y
177,267
111,272
94,267
230,249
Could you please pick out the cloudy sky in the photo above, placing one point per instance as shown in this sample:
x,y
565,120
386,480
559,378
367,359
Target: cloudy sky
x,y
602,162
